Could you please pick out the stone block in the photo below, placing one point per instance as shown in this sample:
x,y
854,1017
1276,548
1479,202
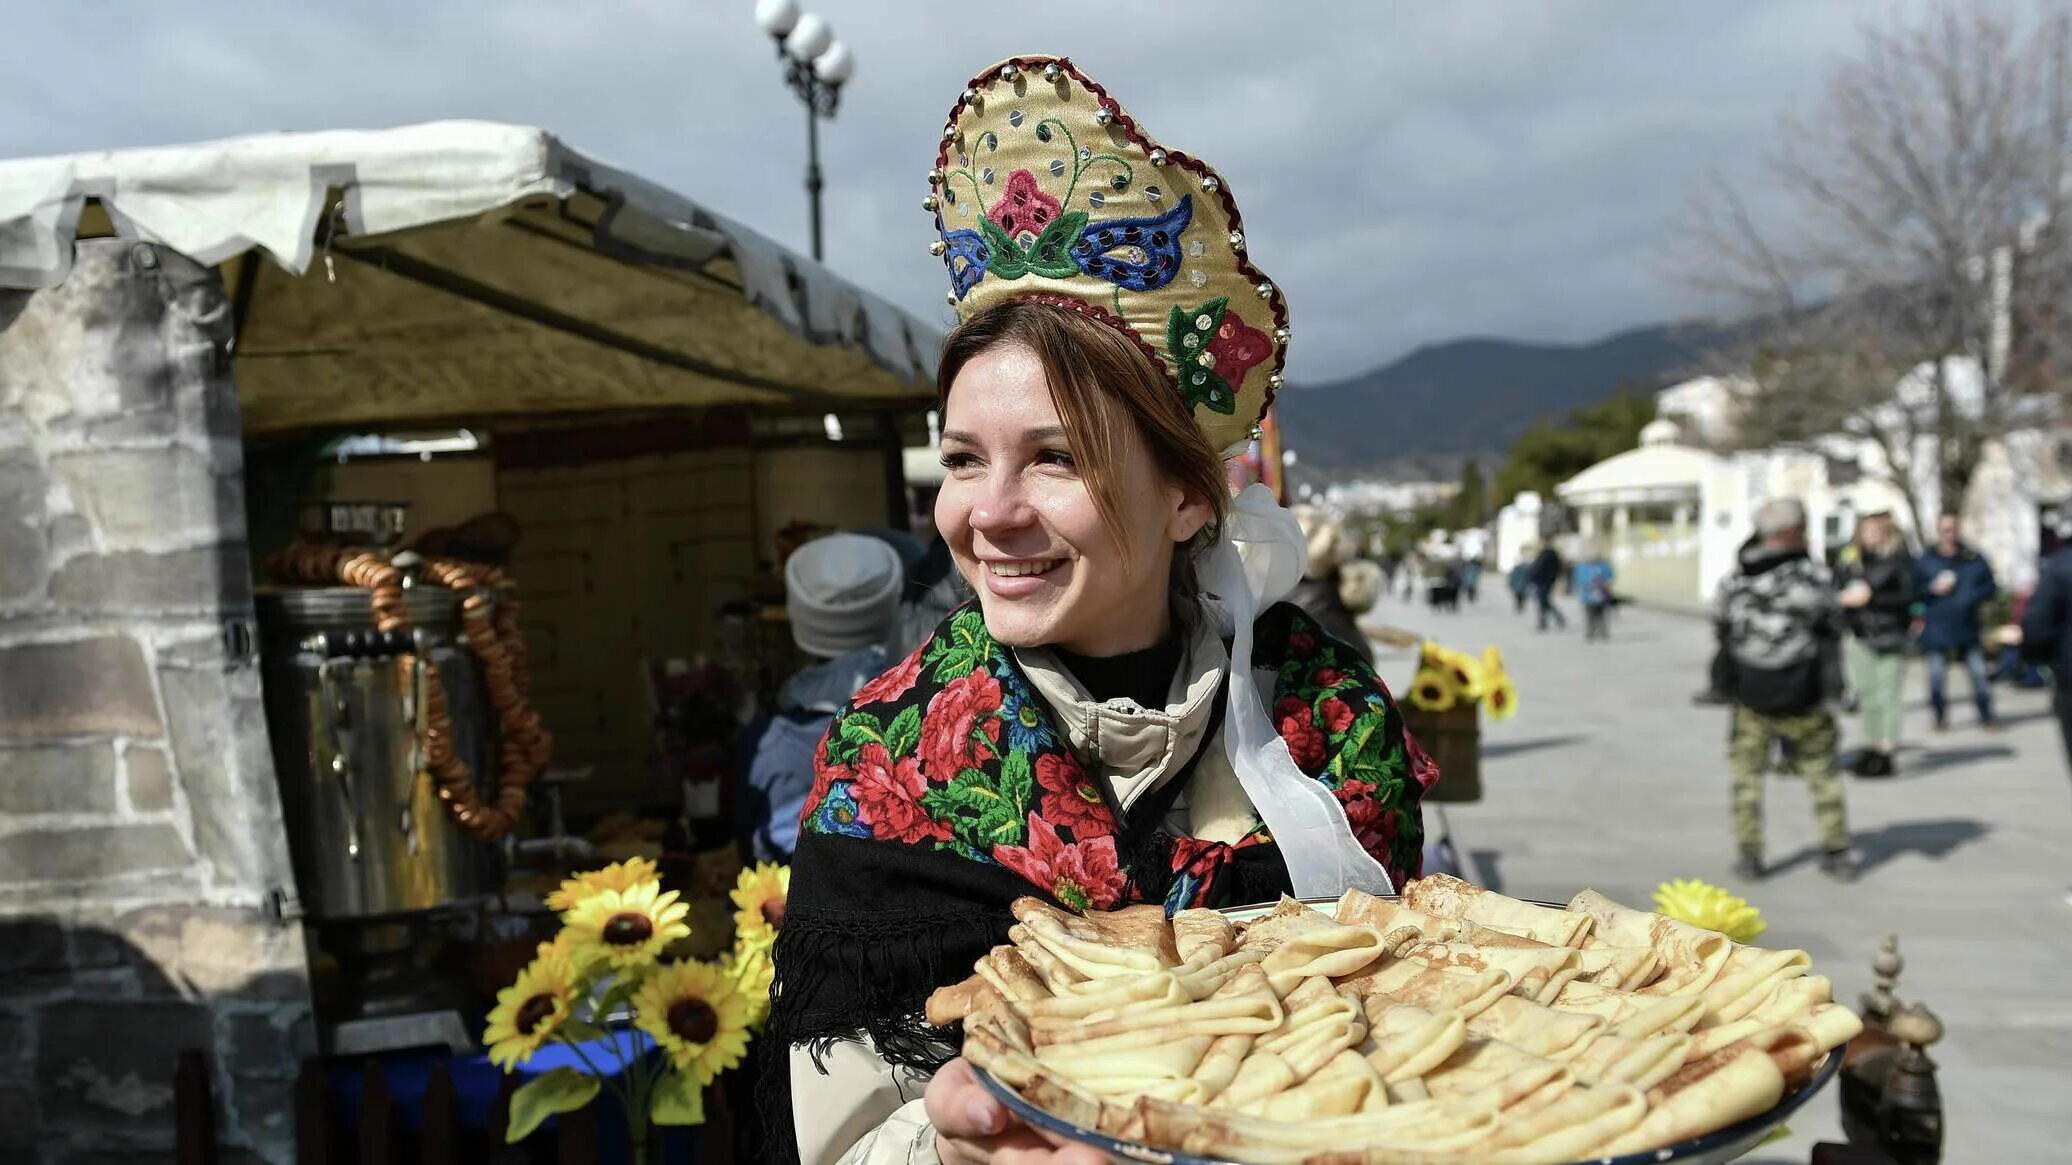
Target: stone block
x,y
58,778
24,556
92,852
137,494
86,687
149,775
228,778
34,945
109,1062
200,578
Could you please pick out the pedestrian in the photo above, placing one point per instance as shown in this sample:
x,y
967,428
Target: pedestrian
x,y
1521,579
1780,628
1874,581
1470,578
2045,637
1546,571
1593,586
1955,581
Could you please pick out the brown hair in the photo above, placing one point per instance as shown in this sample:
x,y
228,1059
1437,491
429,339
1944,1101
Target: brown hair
x,y
1100,378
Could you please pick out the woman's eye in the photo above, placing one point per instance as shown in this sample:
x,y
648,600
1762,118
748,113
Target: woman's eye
x,y
1058,457
955,462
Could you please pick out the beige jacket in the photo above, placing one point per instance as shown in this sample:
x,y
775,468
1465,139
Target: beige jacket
x,y
864,1112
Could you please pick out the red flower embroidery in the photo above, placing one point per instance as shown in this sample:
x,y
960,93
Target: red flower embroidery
x,y
1305,743
1083,876
1238,348
1301,640
1069,799
1288,706
1337,717
1363,813
824,777
1024,208
888,798
1423,769
891,685
948,746
1328,677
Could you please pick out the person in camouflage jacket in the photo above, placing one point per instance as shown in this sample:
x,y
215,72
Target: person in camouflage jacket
x,y
1780,632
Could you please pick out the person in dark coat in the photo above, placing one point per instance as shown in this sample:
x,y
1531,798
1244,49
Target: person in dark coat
x,y
1954,581
1546,571
2045,637
1874,582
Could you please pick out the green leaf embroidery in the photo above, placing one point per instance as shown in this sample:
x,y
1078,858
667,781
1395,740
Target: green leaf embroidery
x,y
559,1091
904,733
678,1101
1051,254
980,815
1188,334
1006,260
853,732
965,647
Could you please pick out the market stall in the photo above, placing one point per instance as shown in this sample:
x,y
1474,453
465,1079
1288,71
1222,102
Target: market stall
x,y
433,484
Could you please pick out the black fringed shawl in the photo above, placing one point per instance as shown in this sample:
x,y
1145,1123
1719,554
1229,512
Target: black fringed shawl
x,y
945,790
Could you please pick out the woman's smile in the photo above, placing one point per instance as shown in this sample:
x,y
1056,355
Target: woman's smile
x,y
1016,578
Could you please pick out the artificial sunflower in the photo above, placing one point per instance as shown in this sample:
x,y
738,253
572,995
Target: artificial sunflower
x,y
1501,699
1431,656
625,928
617,876
760,894
697,1016
752,972
1704,904
1492,661
1465,672
532,1008
1433,691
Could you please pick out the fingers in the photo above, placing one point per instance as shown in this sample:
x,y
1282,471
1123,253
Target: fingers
x,y
959,1106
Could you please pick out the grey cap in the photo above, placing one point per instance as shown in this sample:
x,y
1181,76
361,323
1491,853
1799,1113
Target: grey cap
x,y
842,592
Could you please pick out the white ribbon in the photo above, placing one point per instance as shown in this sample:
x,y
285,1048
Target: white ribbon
x,y
1259,559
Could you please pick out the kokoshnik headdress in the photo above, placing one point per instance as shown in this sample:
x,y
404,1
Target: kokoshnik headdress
x,y
1045,189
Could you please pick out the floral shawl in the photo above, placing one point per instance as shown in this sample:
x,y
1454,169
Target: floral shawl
x,y
945,790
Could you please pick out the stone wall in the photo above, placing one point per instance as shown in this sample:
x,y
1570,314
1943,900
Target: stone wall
x,y
142,854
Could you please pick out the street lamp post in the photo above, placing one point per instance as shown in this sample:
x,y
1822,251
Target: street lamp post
x,y
816,65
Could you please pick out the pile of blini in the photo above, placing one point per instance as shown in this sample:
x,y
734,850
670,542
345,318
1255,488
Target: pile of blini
x,y
1454,1024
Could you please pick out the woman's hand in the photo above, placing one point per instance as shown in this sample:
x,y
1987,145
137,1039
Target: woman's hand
x,y
973,1128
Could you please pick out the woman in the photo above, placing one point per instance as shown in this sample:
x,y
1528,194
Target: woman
x,y
1874,581
1125,714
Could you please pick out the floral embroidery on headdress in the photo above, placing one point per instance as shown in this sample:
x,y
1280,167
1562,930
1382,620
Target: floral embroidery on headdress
x,y
1045,189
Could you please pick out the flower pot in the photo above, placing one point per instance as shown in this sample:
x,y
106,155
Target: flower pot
x,y
1453,739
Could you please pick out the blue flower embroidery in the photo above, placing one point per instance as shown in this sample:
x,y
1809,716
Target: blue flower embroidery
x,y
1142,254
837,814
1027,730
966,255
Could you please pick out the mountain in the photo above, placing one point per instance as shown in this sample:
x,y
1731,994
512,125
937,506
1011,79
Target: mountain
x,y
1475,396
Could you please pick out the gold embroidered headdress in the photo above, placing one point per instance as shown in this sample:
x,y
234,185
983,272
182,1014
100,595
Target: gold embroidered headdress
x,y
1045,189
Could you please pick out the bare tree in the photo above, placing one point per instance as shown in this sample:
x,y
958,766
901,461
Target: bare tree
x,y
1915,221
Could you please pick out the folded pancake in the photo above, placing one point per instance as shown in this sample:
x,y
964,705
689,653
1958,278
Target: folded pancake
x,y
1116,1062
1288,919
990,1044
1330,951
1692,956
1534,1028
1620,968
1209,978
1426,1127
1642,1063
1485,1063
1449,897
1537,973
1791,1049
1160,989
1575,1127
1831,1025
1326,1093
1707,1094
1012,976
1201,937
1134,940
1351,1063
1750,976
1312,1008
1633,1013
1399,924
955,1002
1245,1005
1220,1063
1432,988
1057,974
1405,1041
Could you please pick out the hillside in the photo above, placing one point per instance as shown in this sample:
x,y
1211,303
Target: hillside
x,y
1475,396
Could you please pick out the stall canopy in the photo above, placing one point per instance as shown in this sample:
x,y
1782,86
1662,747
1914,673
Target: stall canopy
x,y
471,270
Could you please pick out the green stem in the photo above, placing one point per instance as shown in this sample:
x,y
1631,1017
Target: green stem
x,y
602,1078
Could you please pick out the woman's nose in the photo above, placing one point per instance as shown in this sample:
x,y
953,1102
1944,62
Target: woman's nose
x,y
1001,505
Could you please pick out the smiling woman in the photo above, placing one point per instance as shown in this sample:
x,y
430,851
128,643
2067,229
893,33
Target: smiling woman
x,y
1126,714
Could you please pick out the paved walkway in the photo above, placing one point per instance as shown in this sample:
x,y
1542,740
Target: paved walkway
x,y
1609,777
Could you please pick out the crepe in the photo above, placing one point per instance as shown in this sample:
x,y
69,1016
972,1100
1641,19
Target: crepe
x,y
1642,1063
1538,972
1452,898
1542,1031
1400,926
1747,980
1131,941
1692,957
1732,1084
1202,936
1405,981
1405,1041
1330,951
1633,1013
1576,1126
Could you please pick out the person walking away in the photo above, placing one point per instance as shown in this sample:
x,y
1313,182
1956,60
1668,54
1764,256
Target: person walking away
x,y
1335,589
842,594
1521,580
1546,571
2045,637
1593,585
1874,584
1470,578
1779,627
1955,582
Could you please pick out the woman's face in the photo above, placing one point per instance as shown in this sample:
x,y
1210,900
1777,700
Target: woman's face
x,y
1022,524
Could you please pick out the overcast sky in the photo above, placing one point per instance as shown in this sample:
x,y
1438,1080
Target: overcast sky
x,y
1410,172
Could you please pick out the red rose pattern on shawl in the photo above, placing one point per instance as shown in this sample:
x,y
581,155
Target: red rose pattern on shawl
x,y
888,794
925,762
1083,876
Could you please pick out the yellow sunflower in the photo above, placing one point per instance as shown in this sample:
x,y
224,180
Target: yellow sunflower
x,y
697,1016
1703,904
1431,656
617,876
1501,700
752,972
1465,672
1433,691
1492,661
624,928
531,1009
760,895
